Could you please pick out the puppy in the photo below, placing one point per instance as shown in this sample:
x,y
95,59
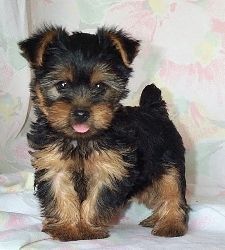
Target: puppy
x,y
91,155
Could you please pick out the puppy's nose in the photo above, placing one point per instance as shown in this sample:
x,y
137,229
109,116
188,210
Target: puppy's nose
x,y
81,115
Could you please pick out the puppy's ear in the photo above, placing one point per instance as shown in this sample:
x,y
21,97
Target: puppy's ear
x,y
127,46
34,48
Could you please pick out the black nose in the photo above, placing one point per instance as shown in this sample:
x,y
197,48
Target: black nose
x,y
81,115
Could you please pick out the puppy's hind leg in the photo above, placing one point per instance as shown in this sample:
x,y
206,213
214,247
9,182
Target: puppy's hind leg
x,y
170,211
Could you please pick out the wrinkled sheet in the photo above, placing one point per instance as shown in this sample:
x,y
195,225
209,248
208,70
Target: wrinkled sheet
x,y
20,223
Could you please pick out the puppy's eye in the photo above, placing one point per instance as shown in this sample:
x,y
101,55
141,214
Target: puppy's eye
x,y
100,86
62,85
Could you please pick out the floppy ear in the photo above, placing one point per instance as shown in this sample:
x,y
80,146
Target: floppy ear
x,y
127,46
34,48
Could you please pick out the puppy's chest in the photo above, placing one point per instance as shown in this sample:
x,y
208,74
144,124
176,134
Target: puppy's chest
x,y
95,168
87,170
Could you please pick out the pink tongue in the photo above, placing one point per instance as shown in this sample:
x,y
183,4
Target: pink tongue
x,y
81,128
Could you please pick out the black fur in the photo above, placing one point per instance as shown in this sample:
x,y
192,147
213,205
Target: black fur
x,y
156,142
147,135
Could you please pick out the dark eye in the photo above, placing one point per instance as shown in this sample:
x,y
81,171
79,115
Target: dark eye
x,y
100,86
62,85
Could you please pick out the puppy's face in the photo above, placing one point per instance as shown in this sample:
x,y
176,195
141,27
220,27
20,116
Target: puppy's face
x,y
79,79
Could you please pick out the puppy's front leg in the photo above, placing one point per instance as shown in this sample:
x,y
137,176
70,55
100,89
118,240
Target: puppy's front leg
x,y
58,199
106,191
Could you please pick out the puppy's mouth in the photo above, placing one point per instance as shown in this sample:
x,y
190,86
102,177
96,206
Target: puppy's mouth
x,y
81,128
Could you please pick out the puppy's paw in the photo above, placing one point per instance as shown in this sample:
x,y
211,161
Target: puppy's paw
x,y
73,233
172,229
149,222
93,233
62,233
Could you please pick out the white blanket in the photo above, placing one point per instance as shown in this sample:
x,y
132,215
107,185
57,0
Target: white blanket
x,y
20,223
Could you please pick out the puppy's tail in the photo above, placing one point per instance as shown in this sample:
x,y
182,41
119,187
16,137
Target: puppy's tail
x,y
151,100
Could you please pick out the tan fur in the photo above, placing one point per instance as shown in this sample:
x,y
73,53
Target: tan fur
x,y
100,73
67,207
48,38
82,102
72,220
103,73
102,167
58,114
47,158
165,198
163,188
118,44
51,159
146,197
41,101
63,73
66,201
102,115
68,232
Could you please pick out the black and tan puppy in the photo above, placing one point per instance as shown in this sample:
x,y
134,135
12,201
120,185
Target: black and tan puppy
x,y
92,155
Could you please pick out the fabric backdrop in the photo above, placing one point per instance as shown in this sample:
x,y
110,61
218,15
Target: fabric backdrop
x,y
182,52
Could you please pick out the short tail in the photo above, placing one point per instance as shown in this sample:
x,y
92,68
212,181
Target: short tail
x,y
151,99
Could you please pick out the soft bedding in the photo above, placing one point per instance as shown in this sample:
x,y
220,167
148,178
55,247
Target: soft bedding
x,y
20,223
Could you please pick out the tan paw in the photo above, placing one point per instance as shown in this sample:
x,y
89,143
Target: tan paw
x,y
149,222
62,233
172,229
73,233
93,233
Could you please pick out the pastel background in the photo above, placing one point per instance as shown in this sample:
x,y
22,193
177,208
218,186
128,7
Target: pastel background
x,y
182,52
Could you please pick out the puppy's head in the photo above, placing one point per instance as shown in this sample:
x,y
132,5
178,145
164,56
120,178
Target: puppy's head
x,y
79,79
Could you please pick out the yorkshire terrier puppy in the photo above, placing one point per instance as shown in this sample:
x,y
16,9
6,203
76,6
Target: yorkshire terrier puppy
x,y
92,155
